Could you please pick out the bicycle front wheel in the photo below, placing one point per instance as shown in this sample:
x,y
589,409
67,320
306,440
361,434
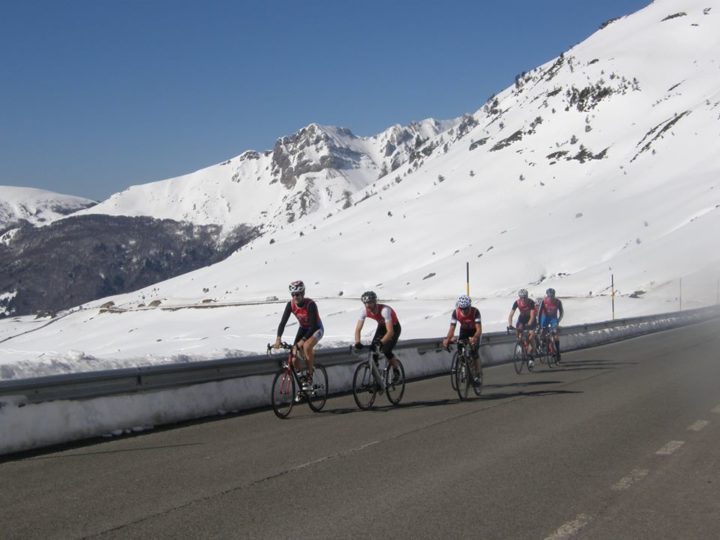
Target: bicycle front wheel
x,y
364,386
283,393
317,396
453,370
518,357
462,378
395,385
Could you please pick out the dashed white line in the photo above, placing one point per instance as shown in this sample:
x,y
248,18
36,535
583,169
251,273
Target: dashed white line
x,y
627,481
670,448
570,528
716,410
699,425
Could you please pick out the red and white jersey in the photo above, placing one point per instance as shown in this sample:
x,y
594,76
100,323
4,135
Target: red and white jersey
x,y
301,312
466,321
551,307
384,313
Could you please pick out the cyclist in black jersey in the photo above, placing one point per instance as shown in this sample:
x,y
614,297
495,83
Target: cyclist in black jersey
x,y
310,329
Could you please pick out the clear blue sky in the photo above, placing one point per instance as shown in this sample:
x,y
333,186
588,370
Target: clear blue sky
x,y
98,95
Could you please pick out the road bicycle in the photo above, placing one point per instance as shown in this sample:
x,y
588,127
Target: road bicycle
x,y
462,370
370,379
287,386
546,346
522,350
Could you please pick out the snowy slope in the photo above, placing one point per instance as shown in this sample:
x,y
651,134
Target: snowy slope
x,y
602,161
36,206
311,170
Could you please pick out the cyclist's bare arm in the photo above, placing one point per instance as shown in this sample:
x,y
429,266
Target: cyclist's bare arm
x,y
510,317
358,328
450,334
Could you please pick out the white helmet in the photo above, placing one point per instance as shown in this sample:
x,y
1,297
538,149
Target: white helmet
x,y
522,293
297,287
463,301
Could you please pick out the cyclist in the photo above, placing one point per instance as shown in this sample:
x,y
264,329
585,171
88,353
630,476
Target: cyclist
x,y
551,313
526,320
470,329
311,328
388,328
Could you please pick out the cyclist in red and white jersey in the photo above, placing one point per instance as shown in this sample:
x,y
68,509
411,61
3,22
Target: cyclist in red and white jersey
x,y
470,328
310,329
388,328
551,313
526,319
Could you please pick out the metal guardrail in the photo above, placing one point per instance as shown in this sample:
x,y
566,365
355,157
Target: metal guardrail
x,y
86,385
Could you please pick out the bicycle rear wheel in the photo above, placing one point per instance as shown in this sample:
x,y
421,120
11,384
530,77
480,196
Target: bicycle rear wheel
x,y
395,388
462,378
518,357
319,393
283,393
364,386
453,370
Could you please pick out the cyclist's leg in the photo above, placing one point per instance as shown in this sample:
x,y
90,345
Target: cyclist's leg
x,y
309,350
474,352
556,337
299,364
390,345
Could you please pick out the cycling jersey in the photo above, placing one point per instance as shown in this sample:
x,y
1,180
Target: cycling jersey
x,y
525,305
467,321
383,314
307,316
552,307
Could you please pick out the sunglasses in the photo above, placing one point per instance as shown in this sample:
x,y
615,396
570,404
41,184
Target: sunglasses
x,y
297,294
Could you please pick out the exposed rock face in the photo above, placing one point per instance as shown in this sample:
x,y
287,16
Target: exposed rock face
x,y
83,258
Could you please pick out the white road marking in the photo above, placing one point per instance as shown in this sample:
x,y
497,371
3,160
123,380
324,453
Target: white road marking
x,y
699,425
716,410
627,481
670,448
570,528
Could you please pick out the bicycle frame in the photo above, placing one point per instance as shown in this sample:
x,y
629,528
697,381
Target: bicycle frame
x,y
378,381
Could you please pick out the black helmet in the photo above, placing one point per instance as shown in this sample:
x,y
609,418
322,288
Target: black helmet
x,y
550,292
368,296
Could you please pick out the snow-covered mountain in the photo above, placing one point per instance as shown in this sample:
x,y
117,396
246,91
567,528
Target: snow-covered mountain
x,y
36,206
603,161
311,170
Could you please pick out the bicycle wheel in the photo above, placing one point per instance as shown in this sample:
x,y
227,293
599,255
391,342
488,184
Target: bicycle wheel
x,y
364,386
518,357
551,352
283,393
453,370
395,388
477,388
319,393
463,378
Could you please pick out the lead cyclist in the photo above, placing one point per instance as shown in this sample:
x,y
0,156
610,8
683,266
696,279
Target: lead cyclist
x,y
551,313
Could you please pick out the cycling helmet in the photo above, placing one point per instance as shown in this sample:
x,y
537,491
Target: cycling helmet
x,y
550,292
297,287
522,293
368,296
463,301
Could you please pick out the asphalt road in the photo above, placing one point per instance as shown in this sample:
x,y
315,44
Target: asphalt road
x,y
621,441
